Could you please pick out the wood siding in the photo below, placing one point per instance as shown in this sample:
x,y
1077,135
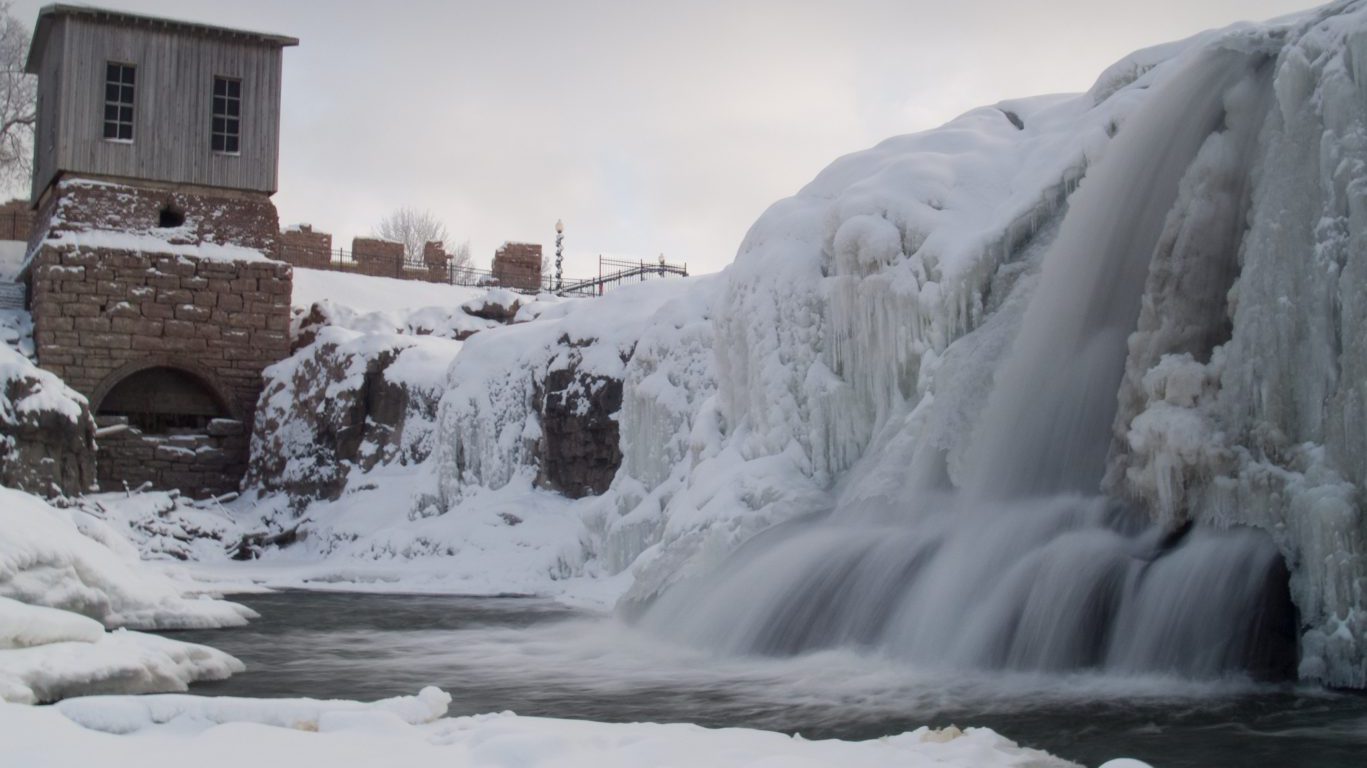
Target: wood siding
x,y
173,104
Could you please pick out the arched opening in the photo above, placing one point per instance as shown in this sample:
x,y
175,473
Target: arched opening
x,y
164,400
170,217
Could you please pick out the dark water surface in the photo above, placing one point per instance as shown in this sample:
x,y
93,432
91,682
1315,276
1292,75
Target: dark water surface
x,y
537,658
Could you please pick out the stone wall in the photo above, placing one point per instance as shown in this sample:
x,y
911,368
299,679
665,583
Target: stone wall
x,y
518,266
16,220
200,465
377,258
302,247
101,315
246,219
435,267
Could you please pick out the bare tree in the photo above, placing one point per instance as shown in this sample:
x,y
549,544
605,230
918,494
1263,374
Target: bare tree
x,y
414,229
18,101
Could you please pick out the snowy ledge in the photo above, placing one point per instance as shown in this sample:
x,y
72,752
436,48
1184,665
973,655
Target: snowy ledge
x,y
411,730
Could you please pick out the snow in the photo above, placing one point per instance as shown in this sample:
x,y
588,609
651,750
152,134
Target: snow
x,y
165,242
42,392
12,254
119,661
362,294
66,559
163,730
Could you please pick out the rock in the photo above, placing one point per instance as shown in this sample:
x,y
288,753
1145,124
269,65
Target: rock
x,y
579,451
47,434
499,306
332,409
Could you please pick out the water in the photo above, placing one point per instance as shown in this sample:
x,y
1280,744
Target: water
x,y
1053,585
1025,567
1048,422
537,658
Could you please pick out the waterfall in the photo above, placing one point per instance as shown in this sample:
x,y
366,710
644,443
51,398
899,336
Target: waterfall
x,y
1025,566
1048,423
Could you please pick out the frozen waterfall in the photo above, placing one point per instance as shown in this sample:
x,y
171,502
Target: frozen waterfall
x,y
1024,566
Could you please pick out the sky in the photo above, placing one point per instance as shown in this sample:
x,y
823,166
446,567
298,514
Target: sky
x,y
649,127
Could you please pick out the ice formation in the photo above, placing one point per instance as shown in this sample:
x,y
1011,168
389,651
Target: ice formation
x,y
926,323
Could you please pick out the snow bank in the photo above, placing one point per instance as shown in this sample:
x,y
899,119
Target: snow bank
x,y
123,714
363,294
68,560
162,730
75,662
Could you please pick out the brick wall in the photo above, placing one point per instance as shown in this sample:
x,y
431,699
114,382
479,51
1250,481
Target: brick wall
x,y
16,220
435,265
100,315
200,465
246,219
518,266
378,258
302,247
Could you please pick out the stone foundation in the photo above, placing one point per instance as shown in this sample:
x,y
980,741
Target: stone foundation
x,y
246,219
199,465
100,315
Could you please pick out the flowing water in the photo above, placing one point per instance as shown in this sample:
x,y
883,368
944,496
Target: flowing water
x,y
537,658
1025,567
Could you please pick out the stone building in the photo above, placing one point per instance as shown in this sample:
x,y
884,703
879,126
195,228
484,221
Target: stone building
x,y
518,266
150,272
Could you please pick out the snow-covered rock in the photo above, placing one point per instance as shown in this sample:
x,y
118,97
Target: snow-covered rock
x,y
47,434
346,403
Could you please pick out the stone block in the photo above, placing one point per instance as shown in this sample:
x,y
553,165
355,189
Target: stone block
x,y
192,313
178,329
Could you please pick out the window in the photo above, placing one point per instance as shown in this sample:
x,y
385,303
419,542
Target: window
x,y
227,115
118,101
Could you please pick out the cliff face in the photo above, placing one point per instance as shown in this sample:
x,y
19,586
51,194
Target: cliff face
x,y
578,453
344,405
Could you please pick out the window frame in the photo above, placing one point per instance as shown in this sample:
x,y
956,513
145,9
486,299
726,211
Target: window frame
x,y
230,134
127,79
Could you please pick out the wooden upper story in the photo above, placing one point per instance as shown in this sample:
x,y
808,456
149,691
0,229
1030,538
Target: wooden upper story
x,y
140,98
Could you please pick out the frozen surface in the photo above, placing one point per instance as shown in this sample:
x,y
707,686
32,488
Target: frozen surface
x,y
163,730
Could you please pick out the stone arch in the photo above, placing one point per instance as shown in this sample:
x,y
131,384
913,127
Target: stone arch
x,y
164,391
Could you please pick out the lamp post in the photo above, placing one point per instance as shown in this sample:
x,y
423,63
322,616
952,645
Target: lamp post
x,y
559,252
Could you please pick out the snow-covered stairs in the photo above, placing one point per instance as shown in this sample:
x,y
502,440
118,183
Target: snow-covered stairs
x,y
11,295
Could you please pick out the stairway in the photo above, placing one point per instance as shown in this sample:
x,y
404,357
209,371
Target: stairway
x,y
11,295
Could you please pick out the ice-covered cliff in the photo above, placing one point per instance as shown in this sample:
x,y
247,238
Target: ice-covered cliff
x,y
1039,344
953,312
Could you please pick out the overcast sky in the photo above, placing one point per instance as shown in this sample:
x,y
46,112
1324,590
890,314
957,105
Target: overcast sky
x,y
649,127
